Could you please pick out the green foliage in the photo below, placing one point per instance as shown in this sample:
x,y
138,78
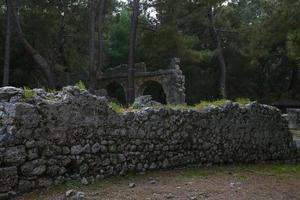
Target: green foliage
x,y
116,107
204,104
117,39
242,101
260,40
81,85
27,93
293,45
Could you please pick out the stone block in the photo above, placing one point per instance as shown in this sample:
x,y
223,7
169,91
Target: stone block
x,y
8,178
15,155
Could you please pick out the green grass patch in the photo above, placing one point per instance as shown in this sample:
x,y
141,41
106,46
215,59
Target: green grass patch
x,y
28,93
116,107
81,85
203,104
198,107
242,101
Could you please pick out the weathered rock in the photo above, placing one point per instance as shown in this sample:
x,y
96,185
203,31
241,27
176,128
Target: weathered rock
x,y
6,93
8,178
84,181
76,150
70,193
15,155
80,196
145,101
26,185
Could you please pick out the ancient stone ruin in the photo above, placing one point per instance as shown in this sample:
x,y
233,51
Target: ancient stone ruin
x,y
293,117
47,138
171,81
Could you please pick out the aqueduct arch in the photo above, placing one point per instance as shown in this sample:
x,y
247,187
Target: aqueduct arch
x,y
155,89
171,80
116,91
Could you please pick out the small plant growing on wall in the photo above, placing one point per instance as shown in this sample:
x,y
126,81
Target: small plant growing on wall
x,y
81,85
27,93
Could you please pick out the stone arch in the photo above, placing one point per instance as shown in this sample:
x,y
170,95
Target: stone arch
x,y
153,88
116,91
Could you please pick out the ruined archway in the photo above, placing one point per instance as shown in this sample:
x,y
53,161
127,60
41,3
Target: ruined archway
x,y
171,82
155,89
116,92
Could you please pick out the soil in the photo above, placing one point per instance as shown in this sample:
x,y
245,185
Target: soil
x,y
263,181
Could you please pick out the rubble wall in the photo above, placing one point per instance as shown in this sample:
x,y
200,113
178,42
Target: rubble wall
x,y
46,138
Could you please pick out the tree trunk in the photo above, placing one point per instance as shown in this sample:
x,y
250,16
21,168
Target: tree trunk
x,y
132,47
218,45
92,70
293,86
100,35
40,60
6,67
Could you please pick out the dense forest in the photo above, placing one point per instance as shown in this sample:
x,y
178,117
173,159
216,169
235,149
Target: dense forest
x,y
228,49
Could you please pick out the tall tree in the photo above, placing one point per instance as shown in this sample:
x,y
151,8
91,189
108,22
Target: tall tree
x,y
92,49
100,24
215,34
7,45
61,32
37,57
132,47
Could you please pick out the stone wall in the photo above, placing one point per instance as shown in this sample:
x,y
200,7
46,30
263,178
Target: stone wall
x,y
50,138
293,117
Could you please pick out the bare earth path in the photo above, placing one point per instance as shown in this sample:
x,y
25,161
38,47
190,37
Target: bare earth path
x,y
270,181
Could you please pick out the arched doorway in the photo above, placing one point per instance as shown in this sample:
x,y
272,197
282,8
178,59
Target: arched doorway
x,y
154,89
116,92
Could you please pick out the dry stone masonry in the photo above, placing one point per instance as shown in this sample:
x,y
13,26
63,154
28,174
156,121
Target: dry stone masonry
x,y
294,118
49,138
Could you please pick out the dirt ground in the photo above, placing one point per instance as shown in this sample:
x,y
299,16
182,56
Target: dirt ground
x,y
269,181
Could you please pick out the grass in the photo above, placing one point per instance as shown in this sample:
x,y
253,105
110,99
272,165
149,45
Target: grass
x,y
116,107
28,93
81,85
198,107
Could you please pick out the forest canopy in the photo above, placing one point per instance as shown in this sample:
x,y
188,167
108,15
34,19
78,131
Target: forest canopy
x,y
232,49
